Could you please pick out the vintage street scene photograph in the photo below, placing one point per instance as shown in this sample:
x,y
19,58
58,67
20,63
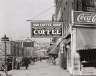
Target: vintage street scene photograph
x,y
47,37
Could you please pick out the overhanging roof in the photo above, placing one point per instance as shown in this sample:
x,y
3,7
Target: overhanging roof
x,y
54,48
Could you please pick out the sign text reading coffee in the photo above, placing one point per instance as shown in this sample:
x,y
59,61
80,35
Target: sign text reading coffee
x,y
47,29
84,17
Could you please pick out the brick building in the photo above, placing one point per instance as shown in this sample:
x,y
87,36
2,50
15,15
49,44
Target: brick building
x,y
77,50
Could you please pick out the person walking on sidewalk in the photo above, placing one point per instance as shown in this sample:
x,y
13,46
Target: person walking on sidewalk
x,y
26,62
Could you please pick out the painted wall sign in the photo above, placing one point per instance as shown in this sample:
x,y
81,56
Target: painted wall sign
x,y
80,17
46,29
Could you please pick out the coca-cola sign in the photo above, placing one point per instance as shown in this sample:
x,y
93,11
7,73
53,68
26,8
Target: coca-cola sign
x,y
84,17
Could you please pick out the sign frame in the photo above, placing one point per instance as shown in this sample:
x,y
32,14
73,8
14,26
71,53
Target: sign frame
x,y
46,25
81,17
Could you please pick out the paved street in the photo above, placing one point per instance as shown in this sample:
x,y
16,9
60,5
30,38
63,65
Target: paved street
x,y
40,69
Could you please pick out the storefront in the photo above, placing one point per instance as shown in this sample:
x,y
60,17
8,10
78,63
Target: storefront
x,y
83,44
86,47
55,50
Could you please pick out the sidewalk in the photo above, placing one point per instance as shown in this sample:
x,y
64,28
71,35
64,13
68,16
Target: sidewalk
x,y
40,69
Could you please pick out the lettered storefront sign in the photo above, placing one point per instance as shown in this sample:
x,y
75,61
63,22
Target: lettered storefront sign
x,y
46,29
79,17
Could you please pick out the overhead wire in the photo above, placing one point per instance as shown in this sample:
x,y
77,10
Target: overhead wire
x,y
45,16
42,12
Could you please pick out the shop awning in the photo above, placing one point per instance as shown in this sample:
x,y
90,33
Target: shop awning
x,y
85,38
54,48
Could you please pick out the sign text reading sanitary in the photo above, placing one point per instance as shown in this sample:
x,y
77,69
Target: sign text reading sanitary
x,y
46,29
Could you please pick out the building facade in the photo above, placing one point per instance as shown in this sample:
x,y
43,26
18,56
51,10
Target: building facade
x,y
8,48
78,46
28,46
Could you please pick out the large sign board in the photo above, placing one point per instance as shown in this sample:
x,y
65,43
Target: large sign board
x,y
46,29
28,44
80,17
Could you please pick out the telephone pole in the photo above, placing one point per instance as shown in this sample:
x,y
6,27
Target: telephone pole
x,y
5,39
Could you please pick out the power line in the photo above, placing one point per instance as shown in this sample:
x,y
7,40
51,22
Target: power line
x,y
43,12
45,16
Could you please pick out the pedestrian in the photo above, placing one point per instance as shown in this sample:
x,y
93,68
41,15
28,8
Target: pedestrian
x,y
40,59
17,63
23,63
2,68
10,65
32,61
26,62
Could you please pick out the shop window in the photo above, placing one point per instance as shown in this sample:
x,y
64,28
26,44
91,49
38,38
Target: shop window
x,y
88,58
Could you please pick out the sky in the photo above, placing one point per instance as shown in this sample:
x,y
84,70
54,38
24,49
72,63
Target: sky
x,y
15,13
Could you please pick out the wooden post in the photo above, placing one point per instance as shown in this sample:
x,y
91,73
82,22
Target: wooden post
x,y
5,39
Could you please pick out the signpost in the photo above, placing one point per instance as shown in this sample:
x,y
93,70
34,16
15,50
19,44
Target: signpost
x,y
5,39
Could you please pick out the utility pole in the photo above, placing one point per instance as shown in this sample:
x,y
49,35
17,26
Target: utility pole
x,y
5,39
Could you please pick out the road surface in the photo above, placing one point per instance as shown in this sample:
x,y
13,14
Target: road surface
x,y
40,69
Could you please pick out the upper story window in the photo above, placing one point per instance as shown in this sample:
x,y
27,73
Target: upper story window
x,y
84,5
77,5
88,5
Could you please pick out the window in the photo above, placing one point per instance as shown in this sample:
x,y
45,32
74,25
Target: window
x,y
88,5
77,5
84,5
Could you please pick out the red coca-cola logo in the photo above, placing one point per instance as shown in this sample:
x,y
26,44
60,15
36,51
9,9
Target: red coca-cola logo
x,y
87,17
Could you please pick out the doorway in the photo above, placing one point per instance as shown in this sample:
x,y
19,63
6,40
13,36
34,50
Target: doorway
x,y
88,61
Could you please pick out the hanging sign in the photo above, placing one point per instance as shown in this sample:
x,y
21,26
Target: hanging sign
x,y
80,17
46,29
